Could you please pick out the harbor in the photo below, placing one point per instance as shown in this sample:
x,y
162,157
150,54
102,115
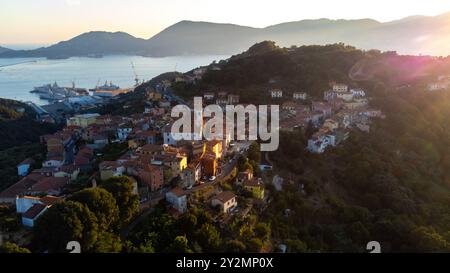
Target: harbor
x,y
19,76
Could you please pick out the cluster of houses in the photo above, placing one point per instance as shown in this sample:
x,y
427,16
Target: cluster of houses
x,y
225,201
442,83
221,98
341,109
152,158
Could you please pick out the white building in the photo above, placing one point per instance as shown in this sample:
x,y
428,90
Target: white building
x,y
358,93
299,96
32,207
276,93
177,198
53,162
225,200
208,96
436,86
123,132
82,120
329,95
339,87
318,143
347,96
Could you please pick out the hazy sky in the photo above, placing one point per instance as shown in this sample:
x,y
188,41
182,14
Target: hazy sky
x,y
49,21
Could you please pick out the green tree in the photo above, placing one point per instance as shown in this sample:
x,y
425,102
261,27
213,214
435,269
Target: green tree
x,y
262,230
209,238
180,245
122,190
235,246
9,247
296,246
168,175
188,223
255,245
101,203
241,163
107,242
426,239
254,152
64,222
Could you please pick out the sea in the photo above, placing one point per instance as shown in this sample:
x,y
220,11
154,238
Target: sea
x,y
18,76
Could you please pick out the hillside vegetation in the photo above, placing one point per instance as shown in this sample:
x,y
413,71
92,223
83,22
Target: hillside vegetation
x,y
18,124
391,185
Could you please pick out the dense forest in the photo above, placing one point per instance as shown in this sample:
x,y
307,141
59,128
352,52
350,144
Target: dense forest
x,y
18,124
391,185
19,133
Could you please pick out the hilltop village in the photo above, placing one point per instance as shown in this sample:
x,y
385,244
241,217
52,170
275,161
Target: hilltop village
x,y
95,148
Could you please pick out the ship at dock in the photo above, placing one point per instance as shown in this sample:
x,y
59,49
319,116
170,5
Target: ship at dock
x,y
53,92
106,87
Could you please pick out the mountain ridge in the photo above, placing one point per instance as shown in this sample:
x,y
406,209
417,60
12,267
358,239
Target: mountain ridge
x,y
411,35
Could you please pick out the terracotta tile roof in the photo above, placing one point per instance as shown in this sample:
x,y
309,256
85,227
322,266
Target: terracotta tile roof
x,y
289,104
22,186
49,184
253,183
225,196
32,212
108,164
68,168
45,170
27,161
56,158
151,148
86,151
146,133
81,160
50,200
178,191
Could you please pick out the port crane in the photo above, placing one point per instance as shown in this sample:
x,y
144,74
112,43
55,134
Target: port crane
x,y
136,78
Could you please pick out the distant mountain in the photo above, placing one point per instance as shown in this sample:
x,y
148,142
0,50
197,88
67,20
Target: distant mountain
x,y
191,38
4,49
90,43
411,35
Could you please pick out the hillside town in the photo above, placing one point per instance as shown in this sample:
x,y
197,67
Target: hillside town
x,y
340,110
144,150
95,148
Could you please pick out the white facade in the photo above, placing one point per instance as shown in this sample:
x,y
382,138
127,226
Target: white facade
x,y
178,202
340,87
25,203
208,96
53,163
358,92
319,144
347,96
299,96
276,93
28,222
169,138
123,132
